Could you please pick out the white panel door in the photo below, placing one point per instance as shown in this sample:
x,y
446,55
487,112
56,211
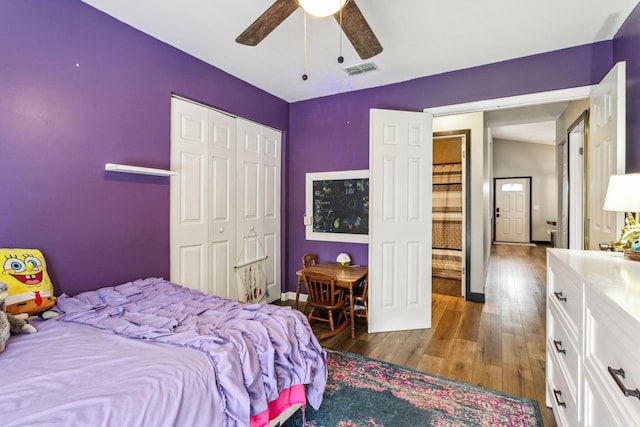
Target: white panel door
x,y
400,220
258,195
189,249
222,204
512,210
203,205
606,154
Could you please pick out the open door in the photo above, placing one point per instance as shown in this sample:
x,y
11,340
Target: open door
x,y
400,220
606,154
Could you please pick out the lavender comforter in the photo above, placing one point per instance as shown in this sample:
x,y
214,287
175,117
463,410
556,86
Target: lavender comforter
x,y
255,350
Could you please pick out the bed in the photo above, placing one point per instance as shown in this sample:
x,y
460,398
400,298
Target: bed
x,y
152,353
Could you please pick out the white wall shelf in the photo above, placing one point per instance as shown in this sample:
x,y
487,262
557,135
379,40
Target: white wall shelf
x,y
114,167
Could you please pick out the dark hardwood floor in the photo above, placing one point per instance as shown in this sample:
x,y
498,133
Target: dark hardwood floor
x,y
499,344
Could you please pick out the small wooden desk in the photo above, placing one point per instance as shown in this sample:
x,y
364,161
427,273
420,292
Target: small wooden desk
x,y
347,277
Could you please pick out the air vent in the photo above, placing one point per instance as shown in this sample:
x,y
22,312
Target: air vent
x,y
361,68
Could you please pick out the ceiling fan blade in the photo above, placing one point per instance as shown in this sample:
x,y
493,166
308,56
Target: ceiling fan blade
x,y
358,31
267,22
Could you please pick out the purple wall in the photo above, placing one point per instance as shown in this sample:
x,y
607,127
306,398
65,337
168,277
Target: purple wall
x,y
61,122
626,47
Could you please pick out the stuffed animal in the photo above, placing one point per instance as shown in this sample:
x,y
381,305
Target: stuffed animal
x,y
10,324
30,288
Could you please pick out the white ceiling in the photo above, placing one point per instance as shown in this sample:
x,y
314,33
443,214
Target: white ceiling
x,y
538,133
419,37
535,123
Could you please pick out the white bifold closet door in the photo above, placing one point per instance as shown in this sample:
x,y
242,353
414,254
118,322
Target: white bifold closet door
x,y
225,200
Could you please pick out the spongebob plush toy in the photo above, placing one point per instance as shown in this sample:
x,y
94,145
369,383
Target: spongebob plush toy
x,y
30,288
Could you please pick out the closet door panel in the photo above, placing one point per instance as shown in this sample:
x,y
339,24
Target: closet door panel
x,y
259,196
189,193
222,204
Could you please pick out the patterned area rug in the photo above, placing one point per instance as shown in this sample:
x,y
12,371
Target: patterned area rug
x,y
363,392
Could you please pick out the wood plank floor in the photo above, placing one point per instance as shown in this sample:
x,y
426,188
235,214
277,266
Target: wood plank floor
x,y
498,345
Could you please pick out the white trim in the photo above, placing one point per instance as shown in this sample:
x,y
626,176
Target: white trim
x,y
291,295
560,95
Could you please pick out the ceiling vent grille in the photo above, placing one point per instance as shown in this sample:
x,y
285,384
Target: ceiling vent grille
x,y
361,68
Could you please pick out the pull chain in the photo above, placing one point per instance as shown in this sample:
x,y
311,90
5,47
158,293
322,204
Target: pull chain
x,y
304,76
340,58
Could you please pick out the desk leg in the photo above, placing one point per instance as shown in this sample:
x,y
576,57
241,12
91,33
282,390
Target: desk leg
x,y
353,320
298,292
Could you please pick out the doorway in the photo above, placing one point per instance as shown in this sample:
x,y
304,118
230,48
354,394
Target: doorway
x,y
573,218
512,210
450,214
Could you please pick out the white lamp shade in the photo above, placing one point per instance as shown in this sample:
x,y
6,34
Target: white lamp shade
x,y
623,193
321,8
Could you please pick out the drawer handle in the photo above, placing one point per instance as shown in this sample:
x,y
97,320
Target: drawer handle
x,y
557,393
560,297
616,374
557,344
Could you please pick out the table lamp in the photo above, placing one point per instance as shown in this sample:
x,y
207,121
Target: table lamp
x,y
623,195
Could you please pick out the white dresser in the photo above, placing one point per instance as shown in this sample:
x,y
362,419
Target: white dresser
x,y
593,338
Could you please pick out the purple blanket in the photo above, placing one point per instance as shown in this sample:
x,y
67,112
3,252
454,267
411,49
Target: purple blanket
x,y
256,350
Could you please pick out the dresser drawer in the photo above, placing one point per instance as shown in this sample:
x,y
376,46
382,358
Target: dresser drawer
x,y
597,413
563,403
565,293
607,345
566,350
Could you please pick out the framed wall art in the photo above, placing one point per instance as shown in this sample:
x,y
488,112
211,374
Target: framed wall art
x,y
337,206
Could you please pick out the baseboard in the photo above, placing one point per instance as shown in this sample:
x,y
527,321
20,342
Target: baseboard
x,y
475,297
291,295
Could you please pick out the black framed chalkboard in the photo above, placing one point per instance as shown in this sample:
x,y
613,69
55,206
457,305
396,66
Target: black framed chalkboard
x,y
337,206
341,206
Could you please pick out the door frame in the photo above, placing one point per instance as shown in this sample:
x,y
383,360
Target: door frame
x,y
573,159
495,180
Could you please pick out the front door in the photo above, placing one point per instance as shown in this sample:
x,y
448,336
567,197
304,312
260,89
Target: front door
x,y
512,211
400,204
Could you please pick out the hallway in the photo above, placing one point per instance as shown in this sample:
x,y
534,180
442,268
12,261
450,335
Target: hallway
x,y
498,345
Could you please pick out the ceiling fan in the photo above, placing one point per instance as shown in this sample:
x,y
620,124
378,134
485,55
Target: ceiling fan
x,y
352,21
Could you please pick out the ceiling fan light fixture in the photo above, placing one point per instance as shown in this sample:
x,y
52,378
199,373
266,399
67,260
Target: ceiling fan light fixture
x,y
322,8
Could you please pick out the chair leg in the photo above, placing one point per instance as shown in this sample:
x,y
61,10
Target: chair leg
x,y
331,320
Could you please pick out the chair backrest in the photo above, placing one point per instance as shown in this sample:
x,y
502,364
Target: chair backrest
x,y
322,291
365,288
308,260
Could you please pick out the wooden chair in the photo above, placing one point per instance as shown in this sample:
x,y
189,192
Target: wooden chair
x,y
325,296
361,298
308,260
